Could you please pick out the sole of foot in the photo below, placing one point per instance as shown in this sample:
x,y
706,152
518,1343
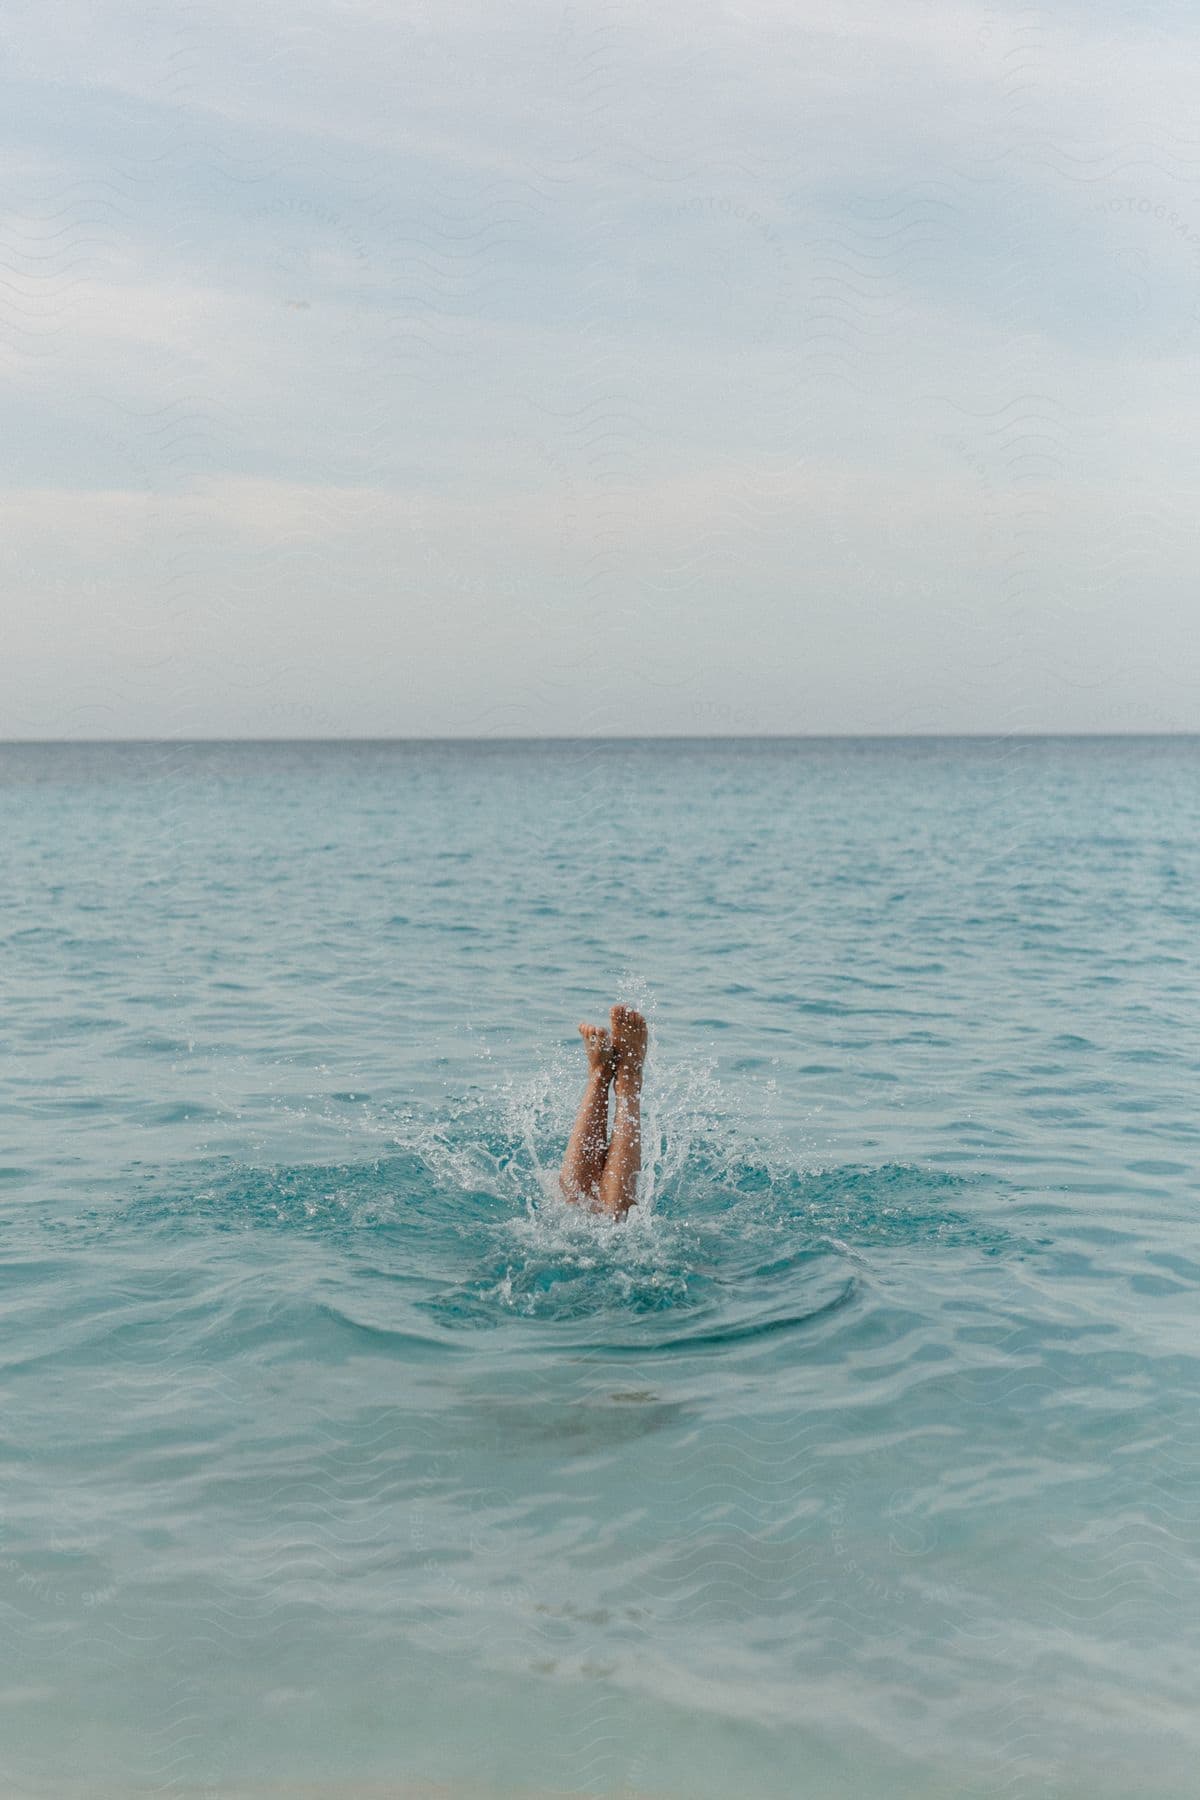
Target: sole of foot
x,y
630,1034
602,1057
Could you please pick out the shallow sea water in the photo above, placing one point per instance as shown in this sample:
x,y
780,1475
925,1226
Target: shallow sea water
x,y
340,1457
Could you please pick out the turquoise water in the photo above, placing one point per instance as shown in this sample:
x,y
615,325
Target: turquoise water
x,y
340,1457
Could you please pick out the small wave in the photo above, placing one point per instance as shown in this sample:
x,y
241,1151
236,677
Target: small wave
x,y
373,1334
767,1324
741,1328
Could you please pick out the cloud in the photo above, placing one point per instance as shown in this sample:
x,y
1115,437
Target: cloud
x,y
646,314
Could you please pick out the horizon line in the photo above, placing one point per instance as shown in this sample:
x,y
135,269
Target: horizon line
x,y
664,737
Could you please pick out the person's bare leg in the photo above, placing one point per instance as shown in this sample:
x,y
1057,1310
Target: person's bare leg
x,y
585,1152
618,1182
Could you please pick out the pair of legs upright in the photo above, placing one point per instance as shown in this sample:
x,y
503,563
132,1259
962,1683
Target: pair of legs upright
x,y
598,1170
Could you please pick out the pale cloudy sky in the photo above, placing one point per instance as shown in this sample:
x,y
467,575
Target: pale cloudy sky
x,y
465,369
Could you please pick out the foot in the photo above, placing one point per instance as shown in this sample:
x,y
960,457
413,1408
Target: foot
x,y
602,1058
629,1035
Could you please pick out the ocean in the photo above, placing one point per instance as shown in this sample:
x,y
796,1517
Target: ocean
x,y
341,1458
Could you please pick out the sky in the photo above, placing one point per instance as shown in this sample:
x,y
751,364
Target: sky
x,y
440,369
